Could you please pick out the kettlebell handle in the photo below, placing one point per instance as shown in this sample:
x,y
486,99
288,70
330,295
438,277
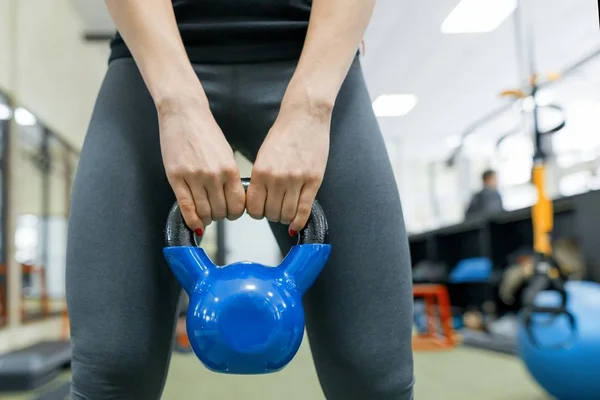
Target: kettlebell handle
x,y
177,233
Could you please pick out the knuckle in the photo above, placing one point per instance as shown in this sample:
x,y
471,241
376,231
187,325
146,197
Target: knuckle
x,y
255,215
185,170
187,206
313,177
280,178
262,172
219,214
304,211
206,220
254,211
203,211
237,210
175,171
229,172
191,219
211,174
296,176
273,214
272,218
234,215
287,218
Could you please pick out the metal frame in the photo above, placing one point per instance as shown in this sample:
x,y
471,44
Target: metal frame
x,y
44,162
5,206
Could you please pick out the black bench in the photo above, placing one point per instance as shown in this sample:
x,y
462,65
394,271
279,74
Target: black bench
x,y
33,366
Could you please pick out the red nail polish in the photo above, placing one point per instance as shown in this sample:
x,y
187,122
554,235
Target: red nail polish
x,y
292,232
198,232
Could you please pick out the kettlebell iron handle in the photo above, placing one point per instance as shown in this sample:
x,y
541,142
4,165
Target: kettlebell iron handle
x,y
177,233
189,262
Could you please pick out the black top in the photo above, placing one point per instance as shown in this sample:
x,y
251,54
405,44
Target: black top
x,y
488,200
230,31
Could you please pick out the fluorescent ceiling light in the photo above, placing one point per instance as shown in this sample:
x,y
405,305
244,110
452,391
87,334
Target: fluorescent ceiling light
x,y
5,113
394,105
24,117
477,16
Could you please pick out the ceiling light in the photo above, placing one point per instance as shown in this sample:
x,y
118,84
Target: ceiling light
x,y
477,16
5,112
394,105
24,117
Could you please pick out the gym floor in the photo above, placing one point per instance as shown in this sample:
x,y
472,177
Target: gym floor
x,y
460,374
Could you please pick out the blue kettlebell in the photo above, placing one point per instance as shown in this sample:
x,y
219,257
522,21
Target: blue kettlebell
x,y
245,317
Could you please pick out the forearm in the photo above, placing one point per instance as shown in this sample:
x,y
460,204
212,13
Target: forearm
x,y
335,31
150,31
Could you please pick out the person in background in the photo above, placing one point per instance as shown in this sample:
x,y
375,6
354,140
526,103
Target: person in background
x,y
488,200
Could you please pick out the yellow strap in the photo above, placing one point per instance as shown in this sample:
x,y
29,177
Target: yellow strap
x,y
518,93
542,214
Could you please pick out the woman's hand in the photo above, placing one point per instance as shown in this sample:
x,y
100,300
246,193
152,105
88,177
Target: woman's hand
x,y
198,160
290,165
199,164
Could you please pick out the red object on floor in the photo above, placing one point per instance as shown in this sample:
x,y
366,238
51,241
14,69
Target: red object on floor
x,y
432,340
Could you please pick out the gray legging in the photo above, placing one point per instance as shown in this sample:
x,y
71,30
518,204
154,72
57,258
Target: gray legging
x,y
121,295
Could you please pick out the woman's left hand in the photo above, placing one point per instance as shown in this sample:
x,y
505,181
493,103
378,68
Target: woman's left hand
x,y
290,165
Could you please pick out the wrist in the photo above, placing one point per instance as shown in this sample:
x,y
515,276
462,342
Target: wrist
x,y
174,86
304,98
180,101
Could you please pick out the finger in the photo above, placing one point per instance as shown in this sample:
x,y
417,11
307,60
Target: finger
x,y
235,197
255,199
274,201
201,202
307,197
186,203
289,206
216,198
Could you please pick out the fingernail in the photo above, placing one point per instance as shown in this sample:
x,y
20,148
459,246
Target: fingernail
x,y
198,232
292,232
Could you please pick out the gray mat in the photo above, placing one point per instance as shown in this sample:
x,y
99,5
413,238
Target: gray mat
x,y
60,393
485,341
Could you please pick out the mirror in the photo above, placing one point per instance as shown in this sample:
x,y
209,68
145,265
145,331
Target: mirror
x,y
47,164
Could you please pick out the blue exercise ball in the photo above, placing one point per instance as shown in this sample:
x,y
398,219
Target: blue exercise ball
x,y
566,360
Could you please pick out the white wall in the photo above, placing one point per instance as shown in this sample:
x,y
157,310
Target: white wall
x,y
47,66
5,42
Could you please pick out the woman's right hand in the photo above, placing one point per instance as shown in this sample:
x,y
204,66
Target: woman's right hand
x,y
199,164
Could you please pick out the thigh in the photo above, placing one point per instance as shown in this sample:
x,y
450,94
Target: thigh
x,y
359,312
121,295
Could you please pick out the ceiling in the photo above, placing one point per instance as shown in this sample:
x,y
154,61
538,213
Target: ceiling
x,y
456,78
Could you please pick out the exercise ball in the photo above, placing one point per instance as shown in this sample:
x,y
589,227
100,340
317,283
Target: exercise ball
x,y
566,360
